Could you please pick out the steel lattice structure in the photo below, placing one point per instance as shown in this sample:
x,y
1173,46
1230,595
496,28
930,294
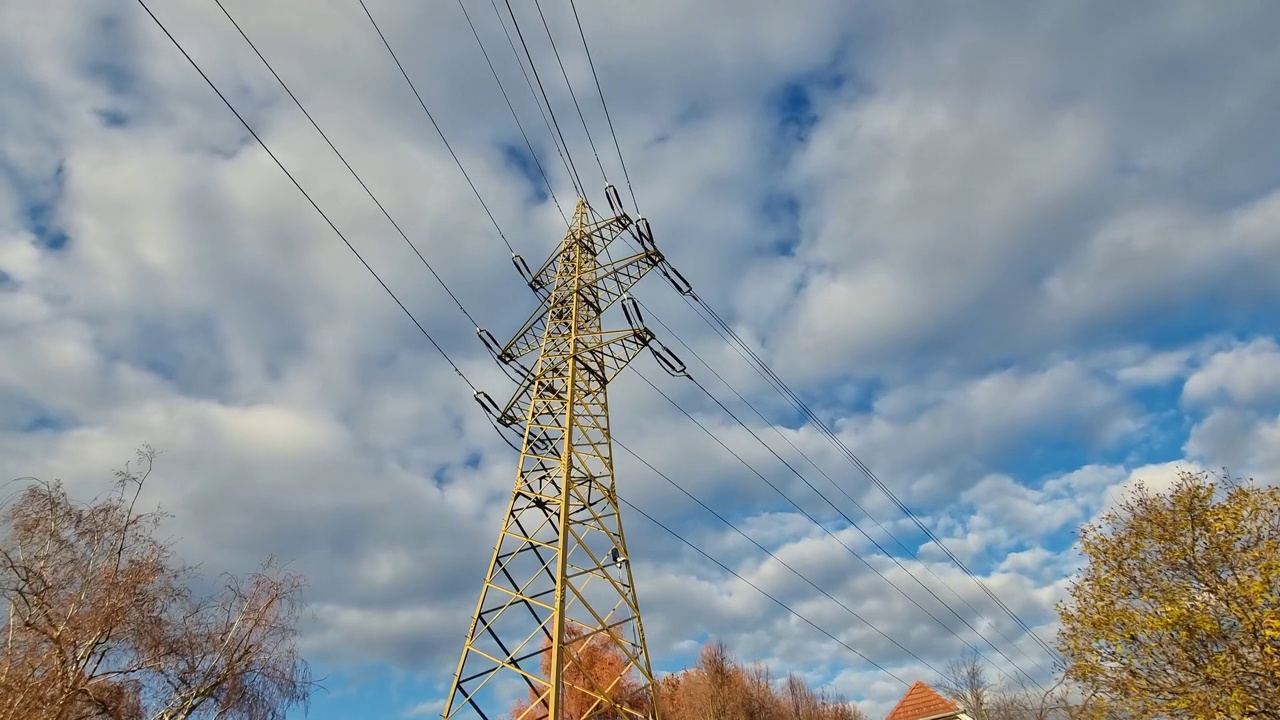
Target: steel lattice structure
x,y
559,579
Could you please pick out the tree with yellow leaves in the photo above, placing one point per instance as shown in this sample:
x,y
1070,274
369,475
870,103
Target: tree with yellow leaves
x,y
1177,613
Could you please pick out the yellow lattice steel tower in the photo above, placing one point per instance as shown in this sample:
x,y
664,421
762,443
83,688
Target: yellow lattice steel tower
x,y
559,579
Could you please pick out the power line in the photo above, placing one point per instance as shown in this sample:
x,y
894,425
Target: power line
x,y
350,169
855,526
782,386
912,555
436,125
812,418
368,191
894,559
572,96
568,168
757,588
515,117
604,105
456,369
762,368
774,380
808,515
534,69
581,117
771,554
432,270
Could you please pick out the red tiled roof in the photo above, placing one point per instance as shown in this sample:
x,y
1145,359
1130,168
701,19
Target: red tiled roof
x,y
921,702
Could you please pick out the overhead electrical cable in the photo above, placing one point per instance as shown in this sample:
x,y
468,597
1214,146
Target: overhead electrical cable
x,y
626,176
436,125
538,103
555,123
781,493
810,416
562,152
455,297
774,556
695,297
479,197
350,169
775,381
858,506
534,69
507,98
855,503
822,427
573,96
456,369
758,589
731,338
855,526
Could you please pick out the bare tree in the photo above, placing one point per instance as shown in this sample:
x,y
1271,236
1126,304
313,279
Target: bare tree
x,y
965,681
101,623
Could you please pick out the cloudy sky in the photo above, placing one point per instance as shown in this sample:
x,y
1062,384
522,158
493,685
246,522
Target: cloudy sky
x,y
1016,255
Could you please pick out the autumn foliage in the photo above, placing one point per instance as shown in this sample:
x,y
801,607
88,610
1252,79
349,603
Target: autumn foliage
x,y
101,624
717,688
720,688
595,663
1177,613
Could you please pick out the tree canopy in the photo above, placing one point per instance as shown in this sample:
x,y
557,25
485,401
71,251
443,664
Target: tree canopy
x,y
717,688
720,688
101,623
594,663
1177,612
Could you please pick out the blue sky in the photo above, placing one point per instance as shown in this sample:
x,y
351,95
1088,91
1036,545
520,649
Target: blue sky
x,y
1017,256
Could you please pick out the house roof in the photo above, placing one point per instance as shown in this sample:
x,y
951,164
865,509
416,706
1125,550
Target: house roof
x,y
920,702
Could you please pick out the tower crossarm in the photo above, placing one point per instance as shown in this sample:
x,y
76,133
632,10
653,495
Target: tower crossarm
x,y
613,352
613,280
599,235
609,282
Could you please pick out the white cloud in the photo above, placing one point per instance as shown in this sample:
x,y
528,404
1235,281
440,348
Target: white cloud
x,y
988,170
1155,259
1244,442
1158,478
1156,369
942,432
1245,375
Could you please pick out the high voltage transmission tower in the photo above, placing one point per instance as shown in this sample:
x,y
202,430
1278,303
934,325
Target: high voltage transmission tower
x,y
560,580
